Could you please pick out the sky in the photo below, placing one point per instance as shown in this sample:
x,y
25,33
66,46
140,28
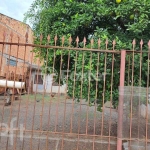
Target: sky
x,y
15,8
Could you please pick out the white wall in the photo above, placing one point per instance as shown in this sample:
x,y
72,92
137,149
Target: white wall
x,y
47,86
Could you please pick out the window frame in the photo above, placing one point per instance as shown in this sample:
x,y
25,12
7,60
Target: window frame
x,y
39,79
11,62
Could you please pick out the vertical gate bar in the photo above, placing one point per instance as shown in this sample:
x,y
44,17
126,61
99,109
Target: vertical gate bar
x,y
141,54
58,102
2,51
34,106
1,62
103,94
43,100
68,65
132,88
43,94
129,63
59,80
81,90
111,96
35,95
64,120
140,84
15,141
74,84
147,93
92,42
121,99
96,98
89,90
59,94
46,147
12,98
24,55
27,101
50,103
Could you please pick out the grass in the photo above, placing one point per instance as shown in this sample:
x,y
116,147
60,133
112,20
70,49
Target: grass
x,y
40,97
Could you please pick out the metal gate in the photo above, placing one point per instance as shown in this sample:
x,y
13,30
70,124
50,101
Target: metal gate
x,y
134,98
72,102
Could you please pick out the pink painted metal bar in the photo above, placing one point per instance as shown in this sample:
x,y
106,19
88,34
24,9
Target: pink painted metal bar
x,y
121,98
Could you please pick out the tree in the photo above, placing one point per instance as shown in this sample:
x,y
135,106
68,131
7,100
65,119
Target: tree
x,y
104,19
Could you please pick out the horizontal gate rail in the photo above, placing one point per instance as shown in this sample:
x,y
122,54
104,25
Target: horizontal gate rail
x,y
93,97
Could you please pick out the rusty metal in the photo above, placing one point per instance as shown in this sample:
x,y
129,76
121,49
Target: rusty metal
x,y
104,87
9,120
35,99
59,47
89,83
64,117
111,94
73,96
147,97
131,97
81,90
1,62
54,117
121,96
27,102
15,141
78,49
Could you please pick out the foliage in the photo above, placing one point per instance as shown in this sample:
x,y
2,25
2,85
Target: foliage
x,y
104,19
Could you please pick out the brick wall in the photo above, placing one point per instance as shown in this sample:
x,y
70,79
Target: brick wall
x,y
17,53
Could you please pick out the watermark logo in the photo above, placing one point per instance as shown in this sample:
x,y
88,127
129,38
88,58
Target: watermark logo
x,y
9,130
49,72
79,76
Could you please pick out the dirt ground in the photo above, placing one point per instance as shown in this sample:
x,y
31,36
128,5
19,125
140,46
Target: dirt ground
x,y
50,117
57,123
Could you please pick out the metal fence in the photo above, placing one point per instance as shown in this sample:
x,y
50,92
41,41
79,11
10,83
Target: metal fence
x,y
85,97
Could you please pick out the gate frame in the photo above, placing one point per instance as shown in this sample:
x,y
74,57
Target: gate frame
x,y
121,99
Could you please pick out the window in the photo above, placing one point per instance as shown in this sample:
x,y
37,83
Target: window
x,y
38,79
11,62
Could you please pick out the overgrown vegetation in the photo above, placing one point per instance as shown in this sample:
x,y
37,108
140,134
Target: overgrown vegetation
x,y
122,20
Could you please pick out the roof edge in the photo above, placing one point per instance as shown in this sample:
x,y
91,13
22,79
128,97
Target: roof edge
x,y
15,20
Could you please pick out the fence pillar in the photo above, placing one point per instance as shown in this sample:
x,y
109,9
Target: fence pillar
x,y
121,99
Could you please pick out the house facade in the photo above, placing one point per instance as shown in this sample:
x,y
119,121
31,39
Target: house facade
x,y
14,59
19,60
